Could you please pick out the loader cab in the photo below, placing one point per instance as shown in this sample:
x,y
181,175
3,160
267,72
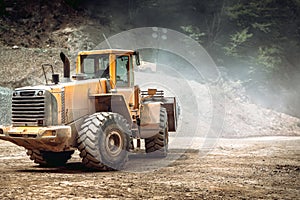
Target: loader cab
x,y
115,65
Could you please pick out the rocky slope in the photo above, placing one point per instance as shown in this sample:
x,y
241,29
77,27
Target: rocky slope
x,y
31,35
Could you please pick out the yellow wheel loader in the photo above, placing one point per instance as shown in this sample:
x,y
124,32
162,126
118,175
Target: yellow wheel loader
x,y
98,110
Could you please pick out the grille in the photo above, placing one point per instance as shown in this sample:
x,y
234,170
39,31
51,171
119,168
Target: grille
x,y
28,109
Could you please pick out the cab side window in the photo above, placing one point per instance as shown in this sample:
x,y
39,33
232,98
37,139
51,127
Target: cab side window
x,y
122,67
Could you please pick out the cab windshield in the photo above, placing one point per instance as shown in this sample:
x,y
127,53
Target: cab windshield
x,y
95,66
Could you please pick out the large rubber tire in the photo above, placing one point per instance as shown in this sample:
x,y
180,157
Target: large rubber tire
x,y
104,141
49,158
158,144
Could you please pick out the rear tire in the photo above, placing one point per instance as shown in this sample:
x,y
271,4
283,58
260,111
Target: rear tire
x,y
103,141
49,158
158,144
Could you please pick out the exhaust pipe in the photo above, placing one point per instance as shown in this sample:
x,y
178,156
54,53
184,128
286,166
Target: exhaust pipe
x,y
66,63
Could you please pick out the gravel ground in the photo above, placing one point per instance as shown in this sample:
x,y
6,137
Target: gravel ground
x,y
251,168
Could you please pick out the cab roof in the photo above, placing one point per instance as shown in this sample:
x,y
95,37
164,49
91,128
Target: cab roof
x,y
106,51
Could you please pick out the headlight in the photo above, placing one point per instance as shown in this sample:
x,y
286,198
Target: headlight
x,y
40,93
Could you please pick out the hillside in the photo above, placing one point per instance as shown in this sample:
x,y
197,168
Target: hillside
x,y
35,32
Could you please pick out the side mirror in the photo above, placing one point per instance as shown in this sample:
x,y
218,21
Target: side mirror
x,y
137,58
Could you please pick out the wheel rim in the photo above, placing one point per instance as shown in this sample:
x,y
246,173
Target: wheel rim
x,y
114,143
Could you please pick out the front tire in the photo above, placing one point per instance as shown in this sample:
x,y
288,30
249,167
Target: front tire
x,y
103,141
49,158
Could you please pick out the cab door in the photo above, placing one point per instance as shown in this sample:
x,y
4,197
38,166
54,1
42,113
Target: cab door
x,y
124,77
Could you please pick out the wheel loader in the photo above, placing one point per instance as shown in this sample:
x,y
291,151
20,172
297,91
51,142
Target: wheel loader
x,y
99,111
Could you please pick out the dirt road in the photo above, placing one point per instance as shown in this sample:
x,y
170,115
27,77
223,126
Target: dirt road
x,y
253,168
